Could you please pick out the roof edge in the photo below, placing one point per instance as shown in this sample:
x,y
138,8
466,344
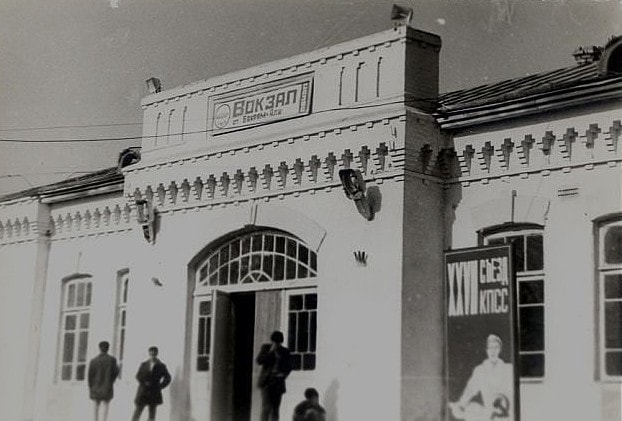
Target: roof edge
x,y
316,55
97,182
566,97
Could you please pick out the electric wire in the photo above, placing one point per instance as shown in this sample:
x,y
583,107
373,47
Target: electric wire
x,y
44,173
84,126
240,127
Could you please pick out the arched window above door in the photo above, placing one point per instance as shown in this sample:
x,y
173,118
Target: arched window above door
x,y
257,257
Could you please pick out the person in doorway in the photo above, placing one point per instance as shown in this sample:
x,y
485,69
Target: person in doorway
x,y
310,409
102,372
492,381
152,377
275,363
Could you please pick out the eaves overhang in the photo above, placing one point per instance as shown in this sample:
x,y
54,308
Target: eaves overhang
x,y
97,183
81,193
464,116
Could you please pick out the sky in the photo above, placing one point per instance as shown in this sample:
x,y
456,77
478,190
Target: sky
x,y
76,69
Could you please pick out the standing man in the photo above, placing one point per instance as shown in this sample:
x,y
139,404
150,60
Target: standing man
x,y
152,376
275,363
103,371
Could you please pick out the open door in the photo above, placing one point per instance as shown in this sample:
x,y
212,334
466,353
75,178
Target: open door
x,y
223,358
267,320
244,327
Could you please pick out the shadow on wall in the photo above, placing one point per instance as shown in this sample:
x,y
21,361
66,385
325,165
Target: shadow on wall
x,y
375,198
330,400
180,397
452,199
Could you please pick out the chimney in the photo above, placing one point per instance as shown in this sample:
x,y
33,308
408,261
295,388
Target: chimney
x,y
400,15
128,156
153,85
587,55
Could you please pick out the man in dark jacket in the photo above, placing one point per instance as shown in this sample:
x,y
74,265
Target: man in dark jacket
x,y
310,409
103,371
275,367
152,376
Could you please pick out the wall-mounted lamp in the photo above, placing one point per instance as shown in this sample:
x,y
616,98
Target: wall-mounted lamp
x,y
354,189
360,257
145,215
400,15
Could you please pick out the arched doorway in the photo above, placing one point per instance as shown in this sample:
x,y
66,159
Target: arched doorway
x,y
243,287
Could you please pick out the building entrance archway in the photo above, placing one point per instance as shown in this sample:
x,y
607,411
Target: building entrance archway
x,y
239,298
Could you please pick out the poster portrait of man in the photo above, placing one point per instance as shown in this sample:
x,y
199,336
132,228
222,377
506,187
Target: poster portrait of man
x,y
488,393
481,351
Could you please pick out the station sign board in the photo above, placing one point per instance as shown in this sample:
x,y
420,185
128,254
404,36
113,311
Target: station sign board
x,y
260,104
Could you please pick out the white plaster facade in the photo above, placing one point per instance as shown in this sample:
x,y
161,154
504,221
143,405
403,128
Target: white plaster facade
x,y
380,328
567,196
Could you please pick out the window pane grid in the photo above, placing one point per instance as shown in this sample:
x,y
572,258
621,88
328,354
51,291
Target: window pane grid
x,y
121,344
613,286
529,264
75,316
612,245
613,363
122,300
204,326
255,258
534,252
302,330
610,267
124,289
612,309
71,296
89,291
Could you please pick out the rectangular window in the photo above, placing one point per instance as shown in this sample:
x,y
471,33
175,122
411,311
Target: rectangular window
x,y
123,282
302,329
529,264
204,333
610,286
75,324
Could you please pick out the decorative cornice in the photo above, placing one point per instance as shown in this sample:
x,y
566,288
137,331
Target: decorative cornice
x,y
105,219
18,230
276,179
482,157
20,221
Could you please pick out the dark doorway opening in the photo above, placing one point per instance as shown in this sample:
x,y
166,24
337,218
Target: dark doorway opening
x,y
243,358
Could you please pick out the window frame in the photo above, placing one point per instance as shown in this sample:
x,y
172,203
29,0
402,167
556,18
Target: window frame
x,y
78,311
197,300
211,263
506,231
120,326
604,269
288,293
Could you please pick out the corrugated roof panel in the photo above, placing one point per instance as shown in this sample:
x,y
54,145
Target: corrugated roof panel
x,y
516,87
